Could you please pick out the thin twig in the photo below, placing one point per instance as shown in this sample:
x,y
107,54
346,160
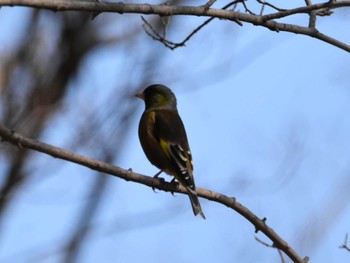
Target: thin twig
x,y
246,8
271,5
271,246
172,45
262,9
345,244
154,34
209,4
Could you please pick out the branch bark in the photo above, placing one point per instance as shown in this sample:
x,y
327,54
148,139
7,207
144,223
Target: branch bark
x,y
128,175
267,21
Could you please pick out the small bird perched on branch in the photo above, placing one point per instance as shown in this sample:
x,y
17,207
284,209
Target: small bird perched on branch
x,y
164,140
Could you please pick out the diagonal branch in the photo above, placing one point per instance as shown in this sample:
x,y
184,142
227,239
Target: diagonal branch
x,y
260,224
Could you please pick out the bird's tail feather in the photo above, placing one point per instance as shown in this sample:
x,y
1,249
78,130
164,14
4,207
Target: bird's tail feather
x,y
195,203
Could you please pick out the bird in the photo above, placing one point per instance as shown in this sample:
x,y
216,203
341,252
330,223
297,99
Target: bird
x,y
164,140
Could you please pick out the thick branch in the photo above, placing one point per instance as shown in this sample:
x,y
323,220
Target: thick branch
x,y
312,32
168,10
260,225
163,10
307,9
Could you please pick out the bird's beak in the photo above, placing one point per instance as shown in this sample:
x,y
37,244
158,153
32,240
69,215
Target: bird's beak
x,y
140,96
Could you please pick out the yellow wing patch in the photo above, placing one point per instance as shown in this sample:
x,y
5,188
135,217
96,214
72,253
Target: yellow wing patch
x,y
165,147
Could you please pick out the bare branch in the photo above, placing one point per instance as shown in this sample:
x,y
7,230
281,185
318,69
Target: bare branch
x,y
164,10
307,9
168,10
312,32
172,45
129,175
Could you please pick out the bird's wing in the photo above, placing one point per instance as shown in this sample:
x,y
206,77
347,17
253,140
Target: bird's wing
x,y
171,134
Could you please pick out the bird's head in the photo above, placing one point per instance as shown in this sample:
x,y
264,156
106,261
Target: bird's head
x,y
158,96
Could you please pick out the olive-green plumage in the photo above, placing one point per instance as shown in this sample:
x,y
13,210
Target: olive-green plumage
x,y
164,140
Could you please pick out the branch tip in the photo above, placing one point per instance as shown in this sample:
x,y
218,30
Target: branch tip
x,y
345,244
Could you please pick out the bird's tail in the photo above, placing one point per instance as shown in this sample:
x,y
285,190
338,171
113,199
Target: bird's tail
x,y
195,202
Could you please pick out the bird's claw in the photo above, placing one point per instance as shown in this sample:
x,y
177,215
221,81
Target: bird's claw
x,y
157,174
174,182
161,179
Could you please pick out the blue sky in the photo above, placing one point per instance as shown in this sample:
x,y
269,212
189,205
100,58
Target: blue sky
x,y
267,119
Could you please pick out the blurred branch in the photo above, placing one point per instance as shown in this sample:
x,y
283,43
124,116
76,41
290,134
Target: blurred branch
x,y
345,244
35,84
267,20
128,175
78,237
169,44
